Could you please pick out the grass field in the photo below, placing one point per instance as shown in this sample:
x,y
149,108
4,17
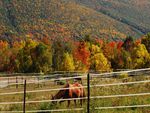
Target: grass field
x,y
96,91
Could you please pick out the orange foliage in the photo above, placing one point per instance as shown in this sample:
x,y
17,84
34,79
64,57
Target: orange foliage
x,y
46,41
137,42
3,45
119,45
81,53
99,41
112,44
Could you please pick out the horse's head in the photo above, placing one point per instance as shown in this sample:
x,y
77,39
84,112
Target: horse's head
x,y
53,98
60,95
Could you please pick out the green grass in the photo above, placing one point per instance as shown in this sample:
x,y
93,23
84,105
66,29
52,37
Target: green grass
x,y
99,91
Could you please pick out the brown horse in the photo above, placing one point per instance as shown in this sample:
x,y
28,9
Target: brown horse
x,y
75,91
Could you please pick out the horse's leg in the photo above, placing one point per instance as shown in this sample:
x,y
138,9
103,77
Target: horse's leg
x,y
79,96
68,103
75,102
81,102
61,102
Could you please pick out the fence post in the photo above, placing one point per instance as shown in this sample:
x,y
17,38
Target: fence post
x,y
24,99
16,83
88,93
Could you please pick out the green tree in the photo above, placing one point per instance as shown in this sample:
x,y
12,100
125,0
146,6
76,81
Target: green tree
x,y
24,59
128,44
127,59
42,58
146,42
58,51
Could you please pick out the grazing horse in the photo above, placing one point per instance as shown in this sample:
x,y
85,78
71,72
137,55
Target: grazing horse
x,y
74,91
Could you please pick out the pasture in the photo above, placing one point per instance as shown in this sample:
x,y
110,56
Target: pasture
x,y
102,95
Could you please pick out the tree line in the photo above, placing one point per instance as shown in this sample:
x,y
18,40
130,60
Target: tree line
x,y
45,56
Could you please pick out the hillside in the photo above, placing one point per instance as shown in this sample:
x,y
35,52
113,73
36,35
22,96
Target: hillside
x,y
57,18
134,13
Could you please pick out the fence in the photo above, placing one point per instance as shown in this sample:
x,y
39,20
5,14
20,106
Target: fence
x,y
88,86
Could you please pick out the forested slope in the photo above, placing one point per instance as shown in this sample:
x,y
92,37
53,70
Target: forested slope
x,y
57,18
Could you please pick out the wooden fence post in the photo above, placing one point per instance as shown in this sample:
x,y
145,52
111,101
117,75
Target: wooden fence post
x,y
88,93
24,99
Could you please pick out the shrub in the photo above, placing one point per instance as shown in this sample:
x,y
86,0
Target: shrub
x,y
123,75
46,106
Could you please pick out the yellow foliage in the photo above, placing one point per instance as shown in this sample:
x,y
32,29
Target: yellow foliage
x,y
141,56
98,60
31,43
79,66
68,63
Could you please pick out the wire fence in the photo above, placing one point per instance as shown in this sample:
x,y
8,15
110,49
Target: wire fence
x,y
93,97
111,74
57,77
91,86
43,111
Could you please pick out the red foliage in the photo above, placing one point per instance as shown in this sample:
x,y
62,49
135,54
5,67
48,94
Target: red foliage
x,y
119,45
81,53
112,44
3,44
11,67
46,41
100,41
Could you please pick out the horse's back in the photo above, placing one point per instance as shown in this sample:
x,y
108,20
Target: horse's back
x,y
77,89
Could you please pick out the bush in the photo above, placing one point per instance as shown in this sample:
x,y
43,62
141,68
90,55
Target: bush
x,y
46,106
123,75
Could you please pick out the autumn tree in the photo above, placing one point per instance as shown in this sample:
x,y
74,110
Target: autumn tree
x,y
122,54
60,47
126,59
24,56
128,44
13,65
146,42
4,55
141,57
98,60
81,56
67,62
41,58
109,50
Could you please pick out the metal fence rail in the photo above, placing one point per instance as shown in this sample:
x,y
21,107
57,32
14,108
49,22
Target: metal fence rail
x,y
87,98
121,107
92,97
91,86
110,74
43,81
35,111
